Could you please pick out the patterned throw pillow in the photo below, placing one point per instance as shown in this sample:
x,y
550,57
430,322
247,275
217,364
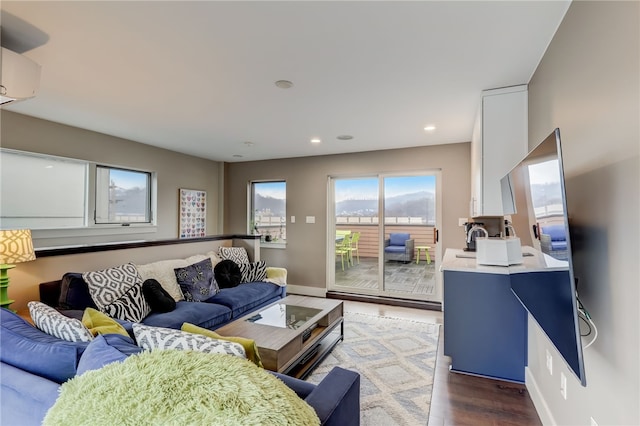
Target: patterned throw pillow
x,y
237,254
55,324
117,292
197,281
159,338
252,272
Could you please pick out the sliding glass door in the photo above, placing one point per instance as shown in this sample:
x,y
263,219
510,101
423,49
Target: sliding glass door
x,y
383,235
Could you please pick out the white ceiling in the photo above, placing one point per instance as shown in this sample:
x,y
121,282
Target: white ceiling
x,y
198,77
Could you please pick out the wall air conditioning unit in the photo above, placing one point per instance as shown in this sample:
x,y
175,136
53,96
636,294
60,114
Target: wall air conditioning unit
x,y
20,77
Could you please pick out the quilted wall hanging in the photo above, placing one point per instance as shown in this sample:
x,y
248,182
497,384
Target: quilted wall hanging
x,y
193,213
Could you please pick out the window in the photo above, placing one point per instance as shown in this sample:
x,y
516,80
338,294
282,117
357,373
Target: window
x,y
45,192
42,192
268,215
122,196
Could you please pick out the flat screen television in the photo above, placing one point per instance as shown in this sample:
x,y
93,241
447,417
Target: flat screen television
x,y
534,199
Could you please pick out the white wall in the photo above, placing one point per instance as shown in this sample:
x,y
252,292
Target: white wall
x,y
587,84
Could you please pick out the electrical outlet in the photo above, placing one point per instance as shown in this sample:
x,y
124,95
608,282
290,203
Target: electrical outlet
x,y
549,362
593,422
462,221
563,385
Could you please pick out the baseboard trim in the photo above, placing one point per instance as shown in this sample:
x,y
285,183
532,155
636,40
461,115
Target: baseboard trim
x,y
383,300
538,399
306,291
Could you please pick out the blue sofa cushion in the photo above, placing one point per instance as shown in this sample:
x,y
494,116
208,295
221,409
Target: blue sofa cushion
x,y
105,349
394,249
25,347
558,236
202,314
24,398
398,239
246,297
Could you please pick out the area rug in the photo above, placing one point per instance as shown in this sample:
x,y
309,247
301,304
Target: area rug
x,y
396,360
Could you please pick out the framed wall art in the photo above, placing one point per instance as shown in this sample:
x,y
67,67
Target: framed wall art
x,y
193,213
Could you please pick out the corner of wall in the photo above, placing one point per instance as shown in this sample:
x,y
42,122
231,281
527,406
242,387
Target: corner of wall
x,y
537,397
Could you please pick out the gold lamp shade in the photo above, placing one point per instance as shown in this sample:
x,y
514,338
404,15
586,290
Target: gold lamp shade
x,y
16,246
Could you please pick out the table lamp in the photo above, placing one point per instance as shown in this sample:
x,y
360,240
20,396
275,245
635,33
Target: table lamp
x,y
15,247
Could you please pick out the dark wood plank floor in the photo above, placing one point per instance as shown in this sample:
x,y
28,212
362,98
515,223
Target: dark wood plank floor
x,y
460,399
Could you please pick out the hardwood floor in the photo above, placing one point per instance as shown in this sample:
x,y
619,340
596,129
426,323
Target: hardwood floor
x,y
460,399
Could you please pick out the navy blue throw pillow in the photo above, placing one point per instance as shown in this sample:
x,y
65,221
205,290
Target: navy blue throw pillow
x,y
197,281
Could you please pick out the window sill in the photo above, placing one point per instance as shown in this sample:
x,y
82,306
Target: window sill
x,y
93,231
264,244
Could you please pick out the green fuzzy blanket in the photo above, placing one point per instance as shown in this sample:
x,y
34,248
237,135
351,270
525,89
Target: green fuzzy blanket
x,y
179,388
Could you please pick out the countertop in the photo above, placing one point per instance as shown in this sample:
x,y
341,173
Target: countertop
x,y
534,261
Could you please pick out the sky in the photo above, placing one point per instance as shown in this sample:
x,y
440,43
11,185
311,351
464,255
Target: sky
x,y
367,188
128,179
272,189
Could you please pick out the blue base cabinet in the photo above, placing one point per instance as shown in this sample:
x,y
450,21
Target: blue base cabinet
x,y
485,326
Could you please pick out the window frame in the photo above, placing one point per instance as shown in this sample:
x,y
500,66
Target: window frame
x,y
148,201
279,243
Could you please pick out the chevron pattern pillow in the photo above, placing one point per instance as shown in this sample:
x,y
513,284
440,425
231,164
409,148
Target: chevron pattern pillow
x,y
252,272
117,292
55,324
237,254
159,338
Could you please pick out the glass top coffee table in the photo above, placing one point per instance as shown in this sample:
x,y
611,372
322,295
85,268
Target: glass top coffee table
x,y
293,334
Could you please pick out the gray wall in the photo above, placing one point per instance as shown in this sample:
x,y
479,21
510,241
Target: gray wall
x,y
306,253
587,84
173,170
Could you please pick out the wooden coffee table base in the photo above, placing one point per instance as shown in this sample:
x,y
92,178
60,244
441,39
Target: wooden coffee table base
x,y
294,352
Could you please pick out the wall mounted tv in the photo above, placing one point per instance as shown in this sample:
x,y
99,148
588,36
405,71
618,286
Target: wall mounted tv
x,y
533,194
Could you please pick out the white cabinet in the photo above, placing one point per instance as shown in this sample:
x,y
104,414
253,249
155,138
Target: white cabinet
x,y
499,141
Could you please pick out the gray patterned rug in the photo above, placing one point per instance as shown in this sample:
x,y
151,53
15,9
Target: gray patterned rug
x,y
396,360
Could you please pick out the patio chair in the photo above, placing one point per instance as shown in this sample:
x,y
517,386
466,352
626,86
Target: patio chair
x,y
399,247
355,237
343,249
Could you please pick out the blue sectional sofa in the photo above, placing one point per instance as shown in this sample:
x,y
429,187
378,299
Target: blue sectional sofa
x,y
34,364
71,294
228,305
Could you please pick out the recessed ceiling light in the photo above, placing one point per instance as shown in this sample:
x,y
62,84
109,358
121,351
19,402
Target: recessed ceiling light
x,y
284,84
344,137
316,140
430,128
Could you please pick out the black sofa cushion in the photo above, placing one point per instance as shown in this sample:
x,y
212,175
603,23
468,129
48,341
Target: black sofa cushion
x,y
74,293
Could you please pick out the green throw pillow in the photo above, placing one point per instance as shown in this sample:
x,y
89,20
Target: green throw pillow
x,y
249,345
99,323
